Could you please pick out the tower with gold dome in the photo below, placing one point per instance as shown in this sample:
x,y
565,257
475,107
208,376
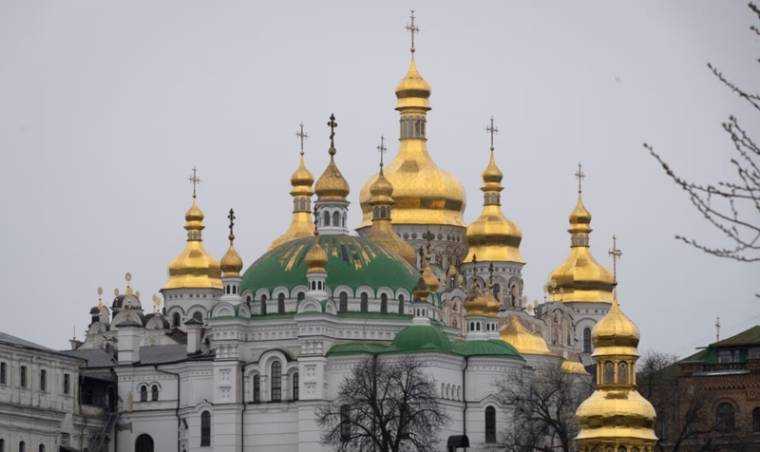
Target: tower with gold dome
x,y
427,198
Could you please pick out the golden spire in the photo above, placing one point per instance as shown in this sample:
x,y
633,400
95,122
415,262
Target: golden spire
x,y
301,223
331,186
381,201
424,193
231,262
526,342
194,267
492,237
615,415
580,278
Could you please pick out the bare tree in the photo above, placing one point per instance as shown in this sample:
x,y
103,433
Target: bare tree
x,y
731,206
543,405
384,405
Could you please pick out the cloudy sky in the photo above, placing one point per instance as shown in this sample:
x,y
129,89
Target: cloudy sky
x,y
106,107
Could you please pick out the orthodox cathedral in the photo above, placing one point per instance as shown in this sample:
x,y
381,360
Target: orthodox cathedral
x,y
238,358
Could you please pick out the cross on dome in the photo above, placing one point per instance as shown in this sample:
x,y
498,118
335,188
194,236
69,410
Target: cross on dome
x,y
382,149
413,29
302,136
616,254
195,181
332,124
580,175
492,130
231,216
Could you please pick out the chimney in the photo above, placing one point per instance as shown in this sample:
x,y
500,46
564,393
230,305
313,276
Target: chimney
x,y
193,328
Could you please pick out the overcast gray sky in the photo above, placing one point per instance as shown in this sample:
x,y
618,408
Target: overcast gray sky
x,y
106,106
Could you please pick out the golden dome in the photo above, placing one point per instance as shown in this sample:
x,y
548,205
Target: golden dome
x,y
194,268
573,367
615,334
381,231
482,304
492,237
421,290
519,337
609,415
331,186
430,279
231,263
316,259
302,222
423,193
580,278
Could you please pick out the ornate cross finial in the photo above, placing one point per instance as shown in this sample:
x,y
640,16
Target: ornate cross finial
x,y
580,175
381,149
231,216
332,125
616,255
301,135
492,130
413,29
717,329
195,181
100,296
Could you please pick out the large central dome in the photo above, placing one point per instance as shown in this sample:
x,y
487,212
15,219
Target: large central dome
x,y
423,193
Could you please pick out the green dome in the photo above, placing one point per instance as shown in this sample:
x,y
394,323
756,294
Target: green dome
x,y
422,338
351,261
491,347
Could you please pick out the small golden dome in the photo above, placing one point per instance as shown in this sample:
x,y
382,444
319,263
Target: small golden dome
x,y
316,259
526,342
302,222
430,279
194,267
573,367
231,263
610,415
302,177
413,91
482,304
580,278
331,186
381,231
381,191
615,334
492,237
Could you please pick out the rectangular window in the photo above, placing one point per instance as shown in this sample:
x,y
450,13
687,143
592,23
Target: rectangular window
x,y
43,380
3,374
22,376
66,383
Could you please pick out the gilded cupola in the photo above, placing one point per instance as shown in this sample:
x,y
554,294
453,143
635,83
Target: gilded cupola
x,y
331,185
482,303
231,263
194,268
492,237
301,222
316,259
423,193
615,416
381,231
526,342
580,278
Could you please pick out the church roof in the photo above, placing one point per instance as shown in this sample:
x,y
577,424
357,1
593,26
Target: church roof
x,y
351,261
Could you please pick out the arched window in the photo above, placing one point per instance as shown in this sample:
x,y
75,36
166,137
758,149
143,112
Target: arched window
x,y
623,373
364,302
295,385
609,373
622,449
144,443
281,303
300,296
198,315
587,340
345,422
343,305
228,289
490,424
401,304
756,420
263,305
256,388
326,220
383,303
42,448
154,393
66,385
21,446
206,429
725,417
276,381
43,380
143,393
175,320
336,218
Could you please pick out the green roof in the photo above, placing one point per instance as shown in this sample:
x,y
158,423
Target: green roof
x,y
422,338
491,347
747,337
351,261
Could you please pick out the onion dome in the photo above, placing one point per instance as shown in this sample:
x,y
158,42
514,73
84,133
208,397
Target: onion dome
x,y
381,231
421,289
573,367
580,278
615,415
231,263
430,279
316,259
519,337
301,223
481,304
492,237
423,193
194,268
331,185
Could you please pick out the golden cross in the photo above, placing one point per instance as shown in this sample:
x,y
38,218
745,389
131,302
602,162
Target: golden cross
x,y
231,216
492,130
195,181
301,135
616,254
413,29
332,125
580,175
717,329
382,149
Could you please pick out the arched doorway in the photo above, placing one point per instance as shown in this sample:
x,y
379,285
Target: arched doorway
x,y
144,443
